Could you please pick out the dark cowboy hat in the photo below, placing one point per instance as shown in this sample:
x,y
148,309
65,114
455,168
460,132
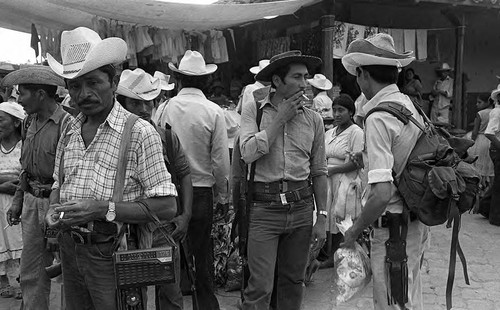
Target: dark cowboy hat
x,y
285,59
33,75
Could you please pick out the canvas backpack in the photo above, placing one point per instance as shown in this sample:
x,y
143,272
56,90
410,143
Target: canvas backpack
x,y
436,184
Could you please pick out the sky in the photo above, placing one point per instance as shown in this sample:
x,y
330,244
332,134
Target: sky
x,y
16,47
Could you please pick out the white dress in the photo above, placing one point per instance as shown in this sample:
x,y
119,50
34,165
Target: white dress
x,y
337,148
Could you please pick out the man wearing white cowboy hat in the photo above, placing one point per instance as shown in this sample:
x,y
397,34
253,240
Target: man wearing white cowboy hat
x,y
247,92
162,100
443,93
492,132
41,131
136,92
288,150
321,102
83,200
201,128
376,64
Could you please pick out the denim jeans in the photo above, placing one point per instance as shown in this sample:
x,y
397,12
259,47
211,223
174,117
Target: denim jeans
x,y
416,243
35,284
279,236
201,247
495,189
88,275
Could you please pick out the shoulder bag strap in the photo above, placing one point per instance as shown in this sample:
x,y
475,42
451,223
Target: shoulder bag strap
x,y
253,165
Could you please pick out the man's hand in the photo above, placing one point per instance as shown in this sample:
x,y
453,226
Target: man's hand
x,y
78,212
319,232
289,108
181,223
349,240
9,187
221,210
14,214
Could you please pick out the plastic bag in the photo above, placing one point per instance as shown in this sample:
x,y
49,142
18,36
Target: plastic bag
x,y
234,271
352,271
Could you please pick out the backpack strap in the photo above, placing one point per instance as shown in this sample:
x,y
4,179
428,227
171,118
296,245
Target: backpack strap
x,y
399,111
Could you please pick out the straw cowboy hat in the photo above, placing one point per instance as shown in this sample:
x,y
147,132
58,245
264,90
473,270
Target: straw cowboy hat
x,y
444,67
495,93
164,78
33,75
14,109
262,64
192,63
284,59
138,84
83,51
320,82
376,50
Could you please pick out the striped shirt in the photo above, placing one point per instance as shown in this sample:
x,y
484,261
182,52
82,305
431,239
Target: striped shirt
x,y
89,173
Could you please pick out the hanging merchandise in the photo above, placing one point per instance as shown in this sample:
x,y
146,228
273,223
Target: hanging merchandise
x,y
142,39
398,36
410,40
271,47
129,37
421,44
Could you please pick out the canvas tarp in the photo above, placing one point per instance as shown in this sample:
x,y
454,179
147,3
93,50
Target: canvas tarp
x,y
67,14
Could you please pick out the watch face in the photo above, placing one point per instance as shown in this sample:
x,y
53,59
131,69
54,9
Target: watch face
x,y
110,216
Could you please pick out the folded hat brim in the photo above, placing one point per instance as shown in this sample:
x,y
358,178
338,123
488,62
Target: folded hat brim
x,y
352,61
494,94
33,75
266,74
328,85
108,51
130,94
209,69
255,70
166,86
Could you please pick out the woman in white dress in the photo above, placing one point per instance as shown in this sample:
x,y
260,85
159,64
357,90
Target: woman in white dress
x,y
11,116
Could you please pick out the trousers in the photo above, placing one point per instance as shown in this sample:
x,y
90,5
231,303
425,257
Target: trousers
x,y
169,296
35,284
416,242
494,216
279,237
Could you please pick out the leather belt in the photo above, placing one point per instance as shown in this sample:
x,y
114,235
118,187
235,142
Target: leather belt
x,y
94,232
286,197
279,186
39,192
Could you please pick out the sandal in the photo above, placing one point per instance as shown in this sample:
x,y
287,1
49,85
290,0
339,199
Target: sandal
x,y
6,291
18,294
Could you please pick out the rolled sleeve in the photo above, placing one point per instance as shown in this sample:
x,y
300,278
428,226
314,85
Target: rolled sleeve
x,y
318,156
152,172
379,145
254,144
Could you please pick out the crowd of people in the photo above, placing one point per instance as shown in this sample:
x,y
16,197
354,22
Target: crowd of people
x,y
65,170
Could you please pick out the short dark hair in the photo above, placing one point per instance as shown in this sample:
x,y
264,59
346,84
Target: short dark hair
x,y
50,90
383,74
121,99
346,101
200,82
281,72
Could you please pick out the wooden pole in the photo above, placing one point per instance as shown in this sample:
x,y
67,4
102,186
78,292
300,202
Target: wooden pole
x,y
458,103
327,23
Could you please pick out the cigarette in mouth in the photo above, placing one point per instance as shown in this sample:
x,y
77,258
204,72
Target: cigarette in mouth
x,y
61,215
305,97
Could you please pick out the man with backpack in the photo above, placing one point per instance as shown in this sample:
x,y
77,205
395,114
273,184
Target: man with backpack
x,y
136,92
41,131
399,239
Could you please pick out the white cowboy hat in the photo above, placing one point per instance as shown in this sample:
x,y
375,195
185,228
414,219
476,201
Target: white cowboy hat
x,y
284,59
376,50
192,63
14,109
262,64
495,93
164,78
444,67
33,75
321,82
138,84
82,51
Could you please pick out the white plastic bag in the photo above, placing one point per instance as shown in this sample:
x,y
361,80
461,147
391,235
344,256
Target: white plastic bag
x,y
352,271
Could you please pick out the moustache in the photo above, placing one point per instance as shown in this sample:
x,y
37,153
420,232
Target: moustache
x,y
85,102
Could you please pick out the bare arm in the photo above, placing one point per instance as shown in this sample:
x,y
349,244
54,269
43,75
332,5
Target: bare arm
x,y
477,123
347,167
494,140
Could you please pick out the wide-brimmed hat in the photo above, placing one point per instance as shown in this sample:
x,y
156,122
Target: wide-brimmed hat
x,y
83,50
444,67
495,92
164,78
33,75
320,82
13,108
376,50
138,84
285,59
193,64
262,64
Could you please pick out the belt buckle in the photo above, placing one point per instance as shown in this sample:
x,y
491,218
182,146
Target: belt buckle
x,y
283,199
36,192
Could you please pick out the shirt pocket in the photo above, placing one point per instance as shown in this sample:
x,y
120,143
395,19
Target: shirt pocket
x,y
103,178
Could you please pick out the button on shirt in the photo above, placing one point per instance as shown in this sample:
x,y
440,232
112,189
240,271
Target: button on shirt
x,y
297,153
89,173
388,141
39,148
201,128
493,127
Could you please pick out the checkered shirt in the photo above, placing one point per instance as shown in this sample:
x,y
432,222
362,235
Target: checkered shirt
x,y
89,173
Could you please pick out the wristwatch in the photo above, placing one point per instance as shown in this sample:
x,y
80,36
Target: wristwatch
x,y
322,212
111,214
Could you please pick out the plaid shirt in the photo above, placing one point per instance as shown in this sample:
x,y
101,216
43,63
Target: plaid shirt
x,y
89,173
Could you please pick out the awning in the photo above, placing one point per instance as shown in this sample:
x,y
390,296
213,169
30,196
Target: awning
x,y
67,14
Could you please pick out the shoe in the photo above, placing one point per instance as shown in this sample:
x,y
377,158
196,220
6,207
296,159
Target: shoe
x,y
18,294
311,269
